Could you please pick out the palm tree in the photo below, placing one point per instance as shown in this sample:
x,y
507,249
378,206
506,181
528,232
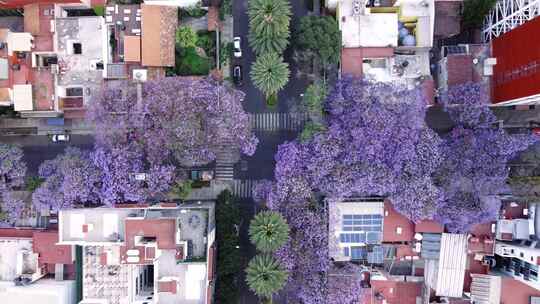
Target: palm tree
x,y
268,231
269,73
269,25
265,276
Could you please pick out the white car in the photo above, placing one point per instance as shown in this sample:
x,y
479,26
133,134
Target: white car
x,y
60,138
237,47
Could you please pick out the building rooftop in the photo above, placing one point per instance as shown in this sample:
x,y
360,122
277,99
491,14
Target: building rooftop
x,y
353,226
10,248
44,244
416,21
397,227
446,276
81,47
158,35
100,225
394,292
516,292
169,242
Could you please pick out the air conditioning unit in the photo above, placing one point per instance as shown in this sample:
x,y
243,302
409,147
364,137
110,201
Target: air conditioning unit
x,y
140,75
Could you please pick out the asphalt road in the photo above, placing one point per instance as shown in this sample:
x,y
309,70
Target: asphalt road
x,y
40,148
254,101
261,164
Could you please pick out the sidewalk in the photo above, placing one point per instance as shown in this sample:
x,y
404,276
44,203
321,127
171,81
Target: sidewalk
x,y
209,193
39,126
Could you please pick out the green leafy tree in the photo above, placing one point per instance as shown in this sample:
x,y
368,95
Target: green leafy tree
x,y
474,12
183,189
33,182
229,260
186,37
310,129
269,25
320,36
269,73
313,98
268,231
265,276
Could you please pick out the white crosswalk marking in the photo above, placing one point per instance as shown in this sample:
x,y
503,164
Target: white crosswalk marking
x,y
277,121
225,160
243,188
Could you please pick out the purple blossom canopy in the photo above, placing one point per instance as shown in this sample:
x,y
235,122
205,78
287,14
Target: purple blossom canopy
x,y
69,179
182,118
376,143
475,156
344,284
12,207
12,167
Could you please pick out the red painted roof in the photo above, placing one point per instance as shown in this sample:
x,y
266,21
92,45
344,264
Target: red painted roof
x,y
393,220
516,73
513,212
169,286
211,254
516,292
164,230
21,3
352,58
428,88
394,292
44,243
428,226
16,233
459,68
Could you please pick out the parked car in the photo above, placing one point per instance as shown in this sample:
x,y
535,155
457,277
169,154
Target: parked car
x,y
237,43
237,75
60,138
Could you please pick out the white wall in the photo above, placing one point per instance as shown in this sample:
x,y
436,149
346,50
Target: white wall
x,y
48,291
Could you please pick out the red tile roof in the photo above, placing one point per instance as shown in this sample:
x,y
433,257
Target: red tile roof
x,y
393,220
158,27
44,243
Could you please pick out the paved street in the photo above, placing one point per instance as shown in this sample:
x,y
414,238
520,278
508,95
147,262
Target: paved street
x,y
292,121
254,101
40,148
277,127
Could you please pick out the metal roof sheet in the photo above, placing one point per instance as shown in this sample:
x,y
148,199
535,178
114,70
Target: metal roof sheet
x,y
452,262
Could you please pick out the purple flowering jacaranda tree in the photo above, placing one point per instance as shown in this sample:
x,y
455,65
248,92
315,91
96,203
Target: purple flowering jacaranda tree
x,y
12,167
119,168
475,154
376,144
11,207
187,119
344,284
69,179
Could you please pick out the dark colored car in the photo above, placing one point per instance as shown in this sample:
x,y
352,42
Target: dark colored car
x,y
237,75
